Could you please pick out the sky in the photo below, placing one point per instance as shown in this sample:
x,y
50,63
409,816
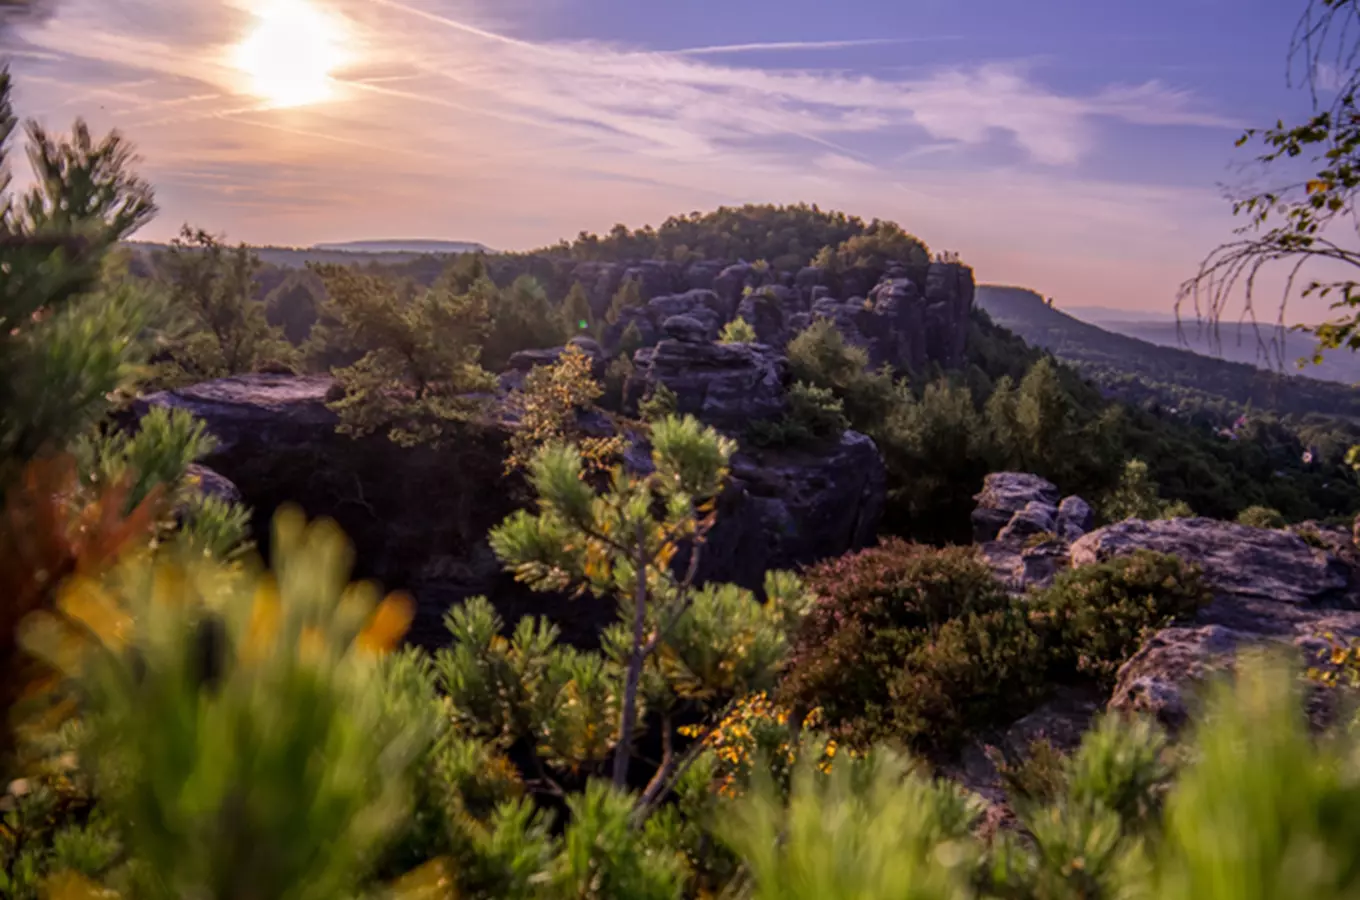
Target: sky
x,y
1081,149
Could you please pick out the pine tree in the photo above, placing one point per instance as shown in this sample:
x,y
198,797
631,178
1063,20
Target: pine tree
x,y
576,313
628,296
623,541
416,376
219,328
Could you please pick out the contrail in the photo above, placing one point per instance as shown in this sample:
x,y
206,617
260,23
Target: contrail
x,y
804,45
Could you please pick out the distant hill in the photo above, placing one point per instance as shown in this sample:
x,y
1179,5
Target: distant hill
x,y
1244,344
356,252
1136,370
400,246
1101,315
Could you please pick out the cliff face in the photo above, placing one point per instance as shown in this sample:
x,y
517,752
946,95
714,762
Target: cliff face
x,y
907,316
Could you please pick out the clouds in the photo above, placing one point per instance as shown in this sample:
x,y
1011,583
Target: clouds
x,y
448,123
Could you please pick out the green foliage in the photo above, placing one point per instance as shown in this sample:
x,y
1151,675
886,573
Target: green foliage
x,y
158,456
814,416
675,643
819,356
522,318
737,331
630,341
577,317
880,244
916,644
1136,497
66,336
1097,616
628,296
660,404
416,373
185,675
294,305
788,236
1260,517
869,829
215,326
885,622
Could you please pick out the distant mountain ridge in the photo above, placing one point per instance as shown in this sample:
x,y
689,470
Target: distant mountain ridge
x,y
1137,370
419,245
390,252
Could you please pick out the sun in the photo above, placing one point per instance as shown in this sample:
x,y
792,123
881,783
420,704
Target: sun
x,y
290,54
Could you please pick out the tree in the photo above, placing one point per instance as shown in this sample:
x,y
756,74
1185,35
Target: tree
x,y
71,343
577,317
1303,220
546,409
628,296
630,341
66,338
625,541
416,375
219,328
522,318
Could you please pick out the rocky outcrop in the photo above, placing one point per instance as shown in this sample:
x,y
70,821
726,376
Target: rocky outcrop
x,y
1024,531
788,507
419,516
1269,587
1004,494
728,386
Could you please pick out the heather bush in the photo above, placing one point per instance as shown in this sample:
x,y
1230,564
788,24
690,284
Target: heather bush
x,y
886,623
917,644
1095,617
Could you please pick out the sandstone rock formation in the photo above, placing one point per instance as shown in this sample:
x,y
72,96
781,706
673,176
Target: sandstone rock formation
x,y
1024,529
1269,587
419,517
728,386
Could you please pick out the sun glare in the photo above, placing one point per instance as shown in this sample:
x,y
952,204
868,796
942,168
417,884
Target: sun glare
x,y
290,54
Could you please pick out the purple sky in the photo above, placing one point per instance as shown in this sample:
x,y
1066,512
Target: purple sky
x,y
1074,147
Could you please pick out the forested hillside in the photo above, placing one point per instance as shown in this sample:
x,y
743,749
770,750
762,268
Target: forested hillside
x,y
1264,347
1139,372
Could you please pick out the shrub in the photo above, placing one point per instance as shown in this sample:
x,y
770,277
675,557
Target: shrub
x,y
659,404
814,416
1260,517
900,619
974,672
1097,616
820,357
228,715
737,331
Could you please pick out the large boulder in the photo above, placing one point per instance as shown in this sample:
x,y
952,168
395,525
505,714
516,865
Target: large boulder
x,y
1269,587
728,386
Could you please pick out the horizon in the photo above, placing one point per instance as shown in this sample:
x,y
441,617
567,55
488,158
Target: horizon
x,y
1072,150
